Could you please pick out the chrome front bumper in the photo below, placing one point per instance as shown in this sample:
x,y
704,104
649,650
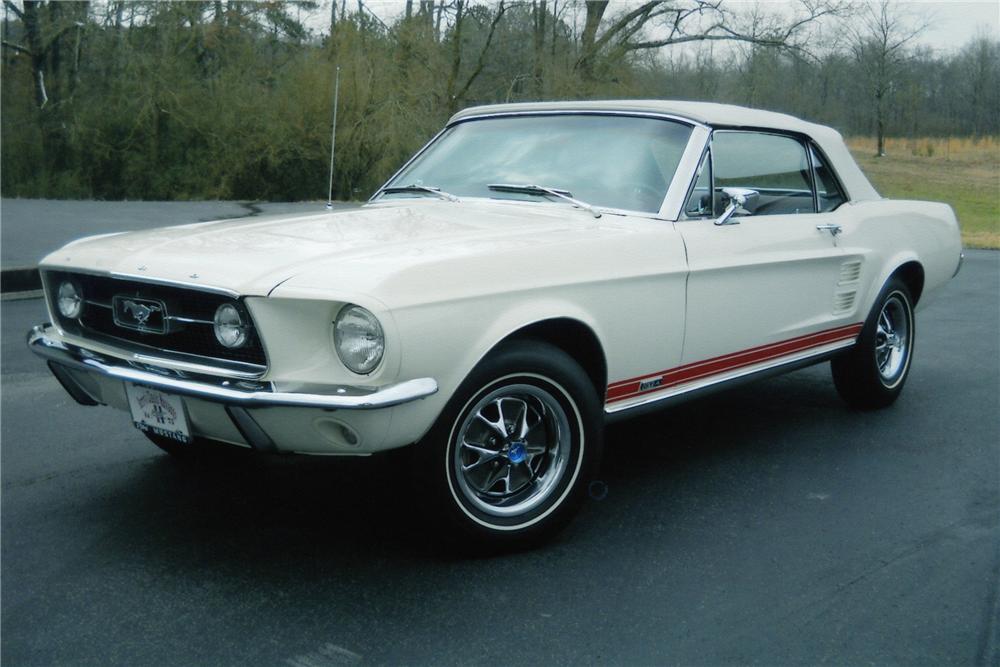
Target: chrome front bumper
x,y
43,341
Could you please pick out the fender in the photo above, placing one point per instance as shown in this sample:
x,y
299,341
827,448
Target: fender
x,y
888,268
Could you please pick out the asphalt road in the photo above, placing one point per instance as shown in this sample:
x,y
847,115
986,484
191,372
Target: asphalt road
x,y
769,525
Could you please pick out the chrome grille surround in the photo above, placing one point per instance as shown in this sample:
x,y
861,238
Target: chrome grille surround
x,y
185,334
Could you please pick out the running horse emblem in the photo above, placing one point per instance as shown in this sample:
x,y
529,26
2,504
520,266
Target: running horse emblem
x,y
141,311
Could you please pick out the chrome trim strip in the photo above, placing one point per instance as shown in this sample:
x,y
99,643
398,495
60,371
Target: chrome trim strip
x,y
735,374
407,163
253,371
673,204
139,278
584,112
561,112
961,258
199,368
98,347
44,345
171,283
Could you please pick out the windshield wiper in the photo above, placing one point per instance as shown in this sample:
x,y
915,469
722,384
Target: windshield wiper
x,y
414,187
542,190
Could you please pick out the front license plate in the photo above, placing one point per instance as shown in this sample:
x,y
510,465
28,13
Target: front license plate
x,y
159,413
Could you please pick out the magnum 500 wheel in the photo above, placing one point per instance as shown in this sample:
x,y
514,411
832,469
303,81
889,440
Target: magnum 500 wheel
x,y
511,456
872,373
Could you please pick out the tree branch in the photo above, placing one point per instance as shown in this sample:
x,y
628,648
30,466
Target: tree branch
x,y
620,25
734,37
481,62
16,48
59,33
626,27
12,7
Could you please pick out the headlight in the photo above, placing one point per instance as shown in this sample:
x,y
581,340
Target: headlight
x,y
230,329
69,300
359,339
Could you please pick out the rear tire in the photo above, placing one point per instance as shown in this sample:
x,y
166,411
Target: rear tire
x,y
871,374
509,461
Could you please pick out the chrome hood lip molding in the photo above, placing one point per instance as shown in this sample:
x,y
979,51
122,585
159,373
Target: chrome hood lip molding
x,y
42,342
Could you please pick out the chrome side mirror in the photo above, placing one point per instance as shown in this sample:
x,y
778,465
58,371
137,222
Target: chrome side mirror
x,y
738,199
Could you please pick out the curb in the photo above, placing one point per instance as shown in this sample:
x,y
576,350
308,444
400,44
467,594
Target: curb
x,y
20,280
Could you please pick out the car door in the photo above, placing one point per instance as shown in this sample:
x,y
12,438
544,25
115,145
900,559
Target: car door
x,y
762,288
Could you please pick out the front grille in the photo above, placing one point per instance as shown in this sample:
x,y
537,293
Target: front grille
x,y
187,325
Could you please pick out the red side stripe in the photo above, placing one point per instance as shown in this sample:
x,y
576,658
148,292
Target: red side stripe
x,y
623,389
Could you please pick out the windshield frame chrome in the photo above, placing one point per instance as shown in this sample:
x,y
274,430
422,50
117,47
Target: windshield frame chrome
x,y
673,201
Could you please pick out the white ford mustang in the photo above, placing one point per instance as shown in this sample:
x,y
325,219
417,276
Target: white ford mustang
x,y
534,271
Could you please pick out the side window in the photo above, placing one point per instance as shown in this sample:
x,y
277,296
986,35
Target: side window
x,y
699,203
775,166
828,191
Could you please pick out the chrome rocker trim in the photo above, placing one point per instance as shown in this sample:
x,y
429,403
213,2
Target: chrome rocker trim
x,y
44,344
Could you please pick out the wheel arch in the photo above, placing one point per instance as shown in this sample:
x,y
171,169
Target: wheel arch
x,y
912,275
573,337
905,266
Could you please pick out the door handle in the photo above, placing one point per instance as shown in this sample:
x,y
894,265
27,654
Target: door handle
x,y
834,229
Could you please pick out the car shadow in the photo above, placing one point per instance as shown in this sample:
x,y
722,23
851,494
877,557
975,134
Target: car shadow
x,y
295,512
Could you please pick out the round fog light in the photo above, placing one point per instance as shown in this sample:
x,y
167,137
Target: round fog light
x,y
69,300
230,329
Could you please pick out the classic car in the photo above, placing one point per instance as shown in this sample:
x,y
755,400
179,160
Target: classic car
x,y
533,272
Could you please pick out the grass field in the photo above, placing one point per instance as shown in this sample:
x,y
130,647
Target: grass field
x,y
961,172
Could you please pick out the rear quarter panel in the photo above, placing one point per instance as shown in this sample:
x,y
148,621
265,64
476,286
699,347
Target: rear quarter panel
x,y
886,234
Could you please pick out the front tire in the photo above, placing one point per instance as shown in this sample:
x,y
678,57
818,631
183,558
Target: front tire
x,y
871,374
510,459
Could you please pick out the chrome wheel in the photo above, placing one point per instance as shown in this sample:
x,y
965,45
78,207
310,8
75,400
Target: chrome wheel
x,y
892,340
511,450
871,373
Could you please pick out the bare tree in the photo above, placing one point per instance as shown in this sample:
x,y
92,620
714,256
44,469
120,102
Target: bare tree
x,y
880,33
45,26
34,48
658,23
538,15
455,93
981,76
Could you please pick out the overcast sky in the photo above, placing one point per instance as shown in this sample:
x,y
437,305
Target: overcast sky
x,y
955,22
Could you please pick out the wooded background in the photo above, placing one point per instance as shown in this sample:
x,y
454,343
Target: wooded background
x,y
233,100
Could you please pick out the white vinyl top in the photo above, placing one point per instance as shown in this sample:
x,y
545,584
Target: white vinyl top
x,y
714,115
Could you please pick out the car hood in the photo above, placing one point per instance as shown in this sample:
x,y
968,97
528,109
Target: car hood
x,y
344,251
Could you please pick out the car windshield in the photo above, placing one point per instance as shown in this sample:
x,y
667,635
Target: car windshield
x,y
617,162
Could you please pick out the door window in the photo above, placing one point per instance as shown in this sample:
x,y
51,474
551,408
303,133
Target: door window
x,y
776,166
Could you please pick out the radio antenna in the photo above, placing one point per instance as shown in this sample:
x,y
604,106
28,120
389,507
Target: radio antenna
x,y
333,139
